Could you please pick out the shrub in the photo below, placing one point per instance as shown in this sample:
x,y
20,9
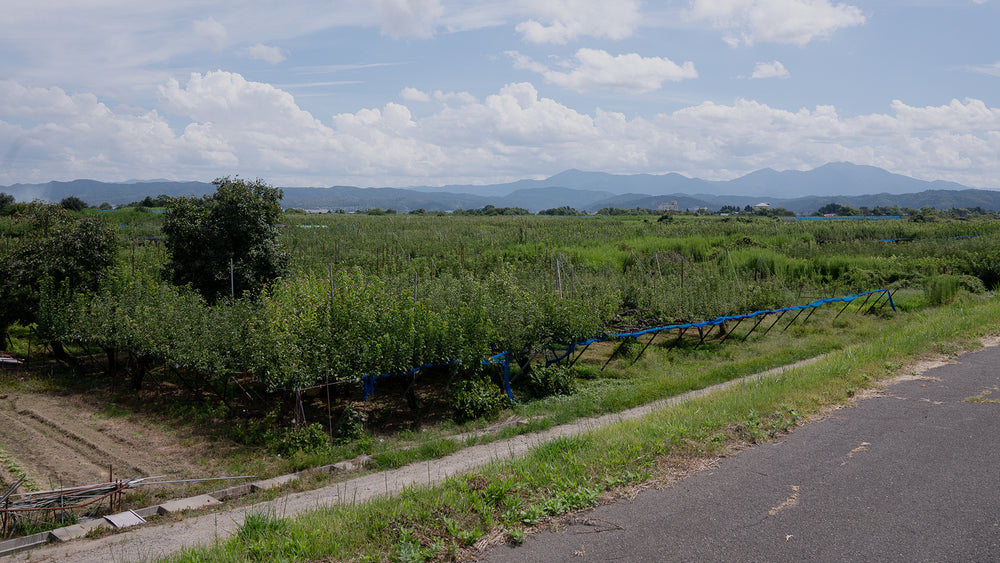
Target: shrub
x,y
941,289
972,284
475,398
553,380
351,425
308,439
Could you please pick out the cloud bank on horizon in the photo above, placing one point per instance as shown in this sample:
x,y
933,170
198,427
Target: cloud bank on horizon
x,y
435,92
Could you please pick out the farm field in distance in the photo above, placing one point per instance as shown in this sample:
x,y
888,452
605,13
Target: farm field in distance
x,y
322,365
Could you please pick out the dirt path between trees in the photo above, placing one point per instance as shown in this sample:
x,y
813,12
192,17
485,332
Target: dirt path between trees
x,y
152,541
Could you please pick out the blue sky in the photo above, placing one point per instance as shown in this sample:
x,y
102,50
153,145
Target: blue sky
x,y
436,92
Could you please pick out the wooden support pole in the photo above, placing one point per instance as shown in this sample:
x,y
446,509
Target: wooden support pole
x,y
768,329
842,309
867,297
754,327
639,355
578,356
793,320
877,301
811,311
679,336
730,331
614,352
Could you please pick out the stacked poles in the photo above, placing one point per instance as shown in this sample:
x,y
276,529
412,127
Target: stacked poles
x,y
17,505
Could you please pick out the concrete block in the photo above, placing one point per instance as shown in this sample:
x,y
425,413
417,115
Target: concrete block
x,y
148,511
274,482
235,491
13,546
78,530
190,503
125,519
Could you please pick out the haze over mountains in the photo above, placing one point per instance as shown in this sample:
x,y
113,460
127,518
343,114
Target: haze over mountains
x,y
801,192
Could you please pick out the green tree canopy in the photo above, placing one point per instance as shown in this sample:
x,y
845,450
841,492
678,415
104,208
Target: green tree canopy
x,y
73,203
564,210
235,226
70,253
837,209
5,200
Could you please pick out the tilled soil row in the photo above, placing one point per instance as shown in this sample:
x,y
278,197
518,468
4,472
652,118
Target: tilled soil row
x,y
62,441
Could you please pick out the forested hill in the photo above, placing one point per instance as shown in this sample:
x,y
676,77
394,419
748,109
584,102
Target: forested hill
x,y
801,192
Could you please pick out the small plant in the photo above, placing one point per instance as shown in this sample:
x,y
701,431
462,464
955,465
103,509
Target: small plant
x,y
260,525
627,349
532,515
409,550
351,426
469,537
475,398
553,380
310,439
254,430
756,429
516,536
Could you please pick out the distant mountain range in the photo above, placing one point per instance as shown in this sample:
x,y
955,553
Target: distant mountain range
x,y
801,192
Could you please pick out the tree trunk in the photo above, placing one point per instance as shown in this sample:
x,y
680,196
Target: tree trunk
x,y
112,354
139,373
63,356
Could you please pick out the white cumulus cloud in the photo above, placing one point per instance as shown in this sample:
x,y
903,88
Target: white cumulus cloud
x,y
776,21
594,69
414,95
409,18
773,69
219,123
266,53
212,31
561,21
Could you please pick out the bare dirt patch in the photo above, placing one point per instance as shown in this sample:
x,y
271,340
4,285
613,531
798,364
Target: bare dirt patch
x,y
72,439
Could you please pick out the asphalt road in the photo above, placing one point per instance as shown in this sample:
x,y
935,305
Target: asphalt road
x,y
911,475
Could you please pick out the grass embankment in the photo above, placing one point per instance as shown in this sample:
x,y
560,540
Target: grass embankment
x,y
501,501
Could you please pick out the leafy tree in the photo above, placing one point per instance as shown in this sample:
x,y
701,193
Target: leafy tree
x,y
564,210
73,254
838,210
152,322
150,202
73,203
491,211
775,212
926,215
5,201
230,233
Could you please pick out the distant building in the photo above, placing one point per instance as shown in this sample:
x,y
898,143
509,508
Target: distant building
x,y
667,206
763,205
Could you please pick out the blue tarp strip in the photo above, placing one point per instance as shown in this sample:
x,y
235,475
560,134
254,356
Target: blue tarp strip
x,y
503,358
719,320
